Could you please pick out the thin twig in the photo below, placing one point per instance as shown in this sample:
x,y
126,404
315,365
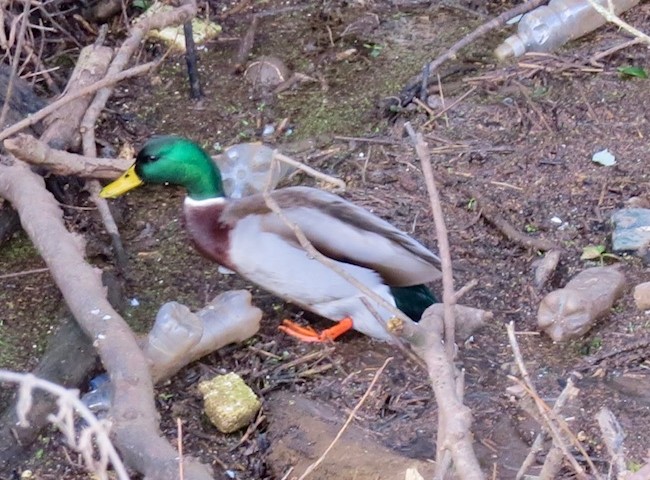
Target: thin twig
x,y
353,413
610,16
490,214
450,106
381,141
328,262
15,61
400,345
610,51
566,393
464,289
54,106
68,399
26,272
448,293
613,436
179,443
340,184
414,83
544,411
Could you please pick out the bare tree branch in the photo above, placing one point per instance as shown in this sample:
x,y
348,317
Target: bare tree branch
x,y
69,400
134,412
36,152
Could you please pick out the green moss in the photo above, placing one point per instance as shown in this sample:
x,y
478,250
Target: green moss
x,y
17,250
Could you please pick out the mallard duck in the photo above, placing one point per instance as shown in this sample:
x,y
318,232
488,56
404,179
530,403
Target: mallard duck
x,y
244,235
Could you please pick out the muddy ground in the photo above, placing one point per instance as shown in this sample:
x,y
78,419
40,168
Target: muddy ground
x,y
523,139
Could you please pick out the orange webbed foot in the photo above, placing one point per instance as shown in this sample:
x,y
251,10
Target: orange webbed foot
x,y
308,334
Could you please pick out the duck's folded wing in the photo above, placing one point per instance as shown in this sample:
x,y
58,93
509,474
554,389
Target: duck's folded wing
x,y
351,234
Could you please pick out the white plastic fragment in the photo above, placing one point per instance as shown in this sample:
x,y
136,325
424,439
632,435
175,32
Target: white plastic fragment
x,y
605,158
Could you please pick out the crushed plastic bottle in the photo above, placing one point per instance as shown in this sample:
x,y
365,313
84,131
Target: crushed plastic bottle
x,y
548,27
245,169
175,331
570,311
180,336
98,399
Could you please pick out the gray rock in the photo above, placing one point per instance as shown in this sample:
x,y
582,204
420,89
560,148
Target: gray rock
x,y
631,230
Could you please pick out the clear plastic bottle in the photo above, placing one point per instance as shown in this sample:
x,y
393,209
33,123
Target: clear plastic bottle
x,y
548,27
245,169
570,311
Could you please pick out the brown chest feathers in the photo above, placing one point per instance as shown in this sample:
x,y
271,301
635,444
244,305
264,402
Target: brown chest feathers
x,y
209,233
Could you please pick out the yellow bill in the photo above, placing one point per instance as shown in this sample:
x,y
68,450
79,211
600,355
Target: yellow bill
x,y
128,181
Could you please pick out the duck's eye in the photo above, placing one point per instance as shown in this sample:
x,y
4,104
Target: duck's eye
x,y
147,158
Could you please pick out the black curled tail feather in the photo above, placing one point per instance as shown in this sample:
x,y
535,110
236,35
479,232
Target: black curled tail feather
x,y
413,300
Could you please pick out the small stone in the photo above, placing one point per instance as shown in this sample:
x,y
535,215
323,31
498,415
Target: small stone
x,y
631,230
229,403
267,72
637,202
642,296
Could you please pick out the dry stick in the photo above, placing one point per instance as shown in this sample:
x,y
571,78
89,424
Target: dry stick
x,y
245,46
407,94
311,250
545,267
353,413
26,272
445,462
613,437
52,107
121,257
448,294
548,415
566,393
178,15
411,330
450,106
454,418
555,457
464,289
610,51
36,152
15,61
179,442
400,345
70,399
314,173
511,233
135,422
610,16
533,107
454,427
544,411
63,125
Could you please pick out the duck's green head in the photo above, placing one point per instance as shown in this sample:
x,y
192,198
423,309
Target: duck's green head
x,y
173,160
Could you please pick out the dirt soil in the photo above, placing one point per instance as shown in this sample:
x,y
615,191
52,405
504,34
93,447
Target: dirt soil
x,y
522,139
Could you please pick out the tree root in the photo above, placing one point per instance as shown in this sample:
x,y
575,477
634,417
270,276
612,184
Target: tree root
x,y
134,415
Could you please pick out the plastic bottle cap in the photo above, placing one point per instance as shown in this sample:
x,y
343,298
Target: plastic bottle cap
x,y
512,46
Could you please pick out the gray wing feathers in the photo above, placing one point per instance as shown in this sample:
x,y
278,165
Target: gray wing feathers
x,y
348,233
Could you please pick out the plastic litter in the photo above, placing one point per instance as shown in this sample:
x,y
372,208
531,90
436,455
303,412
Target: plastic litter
x,y
548,27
